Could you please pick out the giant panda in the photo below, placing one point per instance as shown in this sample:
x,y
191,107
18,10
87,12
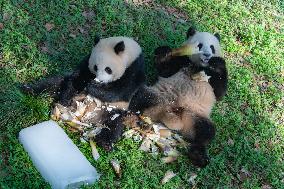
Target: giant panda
x,y
207,47
180,102
111,73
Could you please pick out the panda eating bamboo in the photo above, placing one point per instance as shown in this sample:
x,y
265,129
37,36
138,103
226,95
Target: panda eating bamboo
x,y
181,103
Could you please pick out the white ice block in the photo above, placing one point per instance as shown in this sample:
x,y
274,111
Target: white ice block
x,y
56,157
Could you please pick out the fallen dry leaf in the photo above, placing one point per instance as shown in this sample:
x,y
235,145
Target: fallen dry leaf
x,y
146,145
266,186
171,152
192,178
55,114
256,145
1,26
169,175
74,125
82,30
137,137
95,152
88,14
169,159
6,16
81,108
230,142
129,133
244,174
66,116
49,26
44,49
116,166
72,35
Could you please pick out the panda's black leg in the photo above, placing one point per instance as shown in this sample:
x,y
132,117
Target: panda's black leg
x,y
204,132
142,99
167,65
50,85
114,122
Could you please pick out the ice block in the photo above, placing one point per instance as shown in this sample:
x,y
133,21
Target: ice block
x,y
56,157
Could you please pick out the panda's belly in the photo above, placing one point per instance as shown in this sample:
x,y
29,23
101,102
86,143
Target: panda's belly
x,y
197,97
180,91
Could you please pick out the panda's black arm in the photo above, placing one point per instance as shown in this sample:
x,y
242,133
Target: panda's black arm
x,y
76,82
133,78
219,76
167,67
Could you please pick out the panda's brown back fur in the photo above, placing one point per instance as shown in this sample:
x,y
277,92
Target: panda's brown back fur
x,y
180,100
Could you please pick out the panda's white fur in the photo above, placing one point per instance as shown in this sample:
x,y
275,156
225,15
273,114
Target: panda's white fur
x,y
103,55
205,42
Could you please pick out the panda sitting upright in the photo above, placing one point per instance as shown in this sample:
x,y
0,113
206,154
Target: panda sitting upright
x,y
111,73
180,102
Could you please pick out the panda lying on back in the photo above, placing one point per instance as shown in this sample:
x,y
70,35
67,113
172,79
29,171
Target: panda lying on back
x,y
184,104
111,73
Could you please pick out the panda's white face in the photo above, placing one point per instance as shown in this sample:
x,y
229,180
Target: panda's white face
x,y
106,66
208,45
111,57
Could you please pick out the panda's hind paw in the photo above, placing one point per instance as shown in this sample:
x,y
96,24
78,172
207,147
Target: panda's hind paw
x,y
107,145
198,156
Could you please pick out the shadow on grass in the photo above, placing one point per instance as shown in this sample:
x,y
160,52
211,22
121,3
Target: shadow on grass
x,y
75,25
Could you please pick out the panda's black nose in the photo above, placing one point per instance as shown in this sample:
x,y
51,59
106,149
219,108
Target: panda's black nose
x,y
206,55
95,68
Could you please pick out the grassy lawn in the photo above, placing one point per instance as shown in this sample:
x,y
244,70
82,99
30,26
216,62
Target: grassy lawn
x,y
38,39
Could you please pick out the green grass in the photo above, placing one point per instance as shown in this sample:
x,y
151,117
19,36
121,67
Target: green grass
x,y
250,128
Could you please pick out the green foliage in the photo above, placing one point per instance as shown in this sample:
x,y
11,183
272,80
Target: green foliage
x,y
250,129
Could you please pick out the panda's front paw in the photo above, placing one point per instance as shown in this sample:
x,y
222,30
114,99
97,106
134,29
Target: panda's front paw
x,y
94,89
217,64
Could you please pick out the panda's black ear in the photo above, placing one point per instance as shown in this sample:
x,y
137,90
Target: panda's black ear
x,y
217,35
119,47
97,39
190,32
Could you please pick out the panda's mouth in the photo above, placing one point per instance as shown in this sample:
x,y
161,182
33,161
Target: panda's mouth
x,y
97,80
205,60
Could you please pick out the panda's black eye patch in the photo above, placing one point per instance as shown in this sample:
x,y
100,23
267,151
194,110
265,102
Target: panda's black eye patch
x,y
96,68
212,48
200,45
108,70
